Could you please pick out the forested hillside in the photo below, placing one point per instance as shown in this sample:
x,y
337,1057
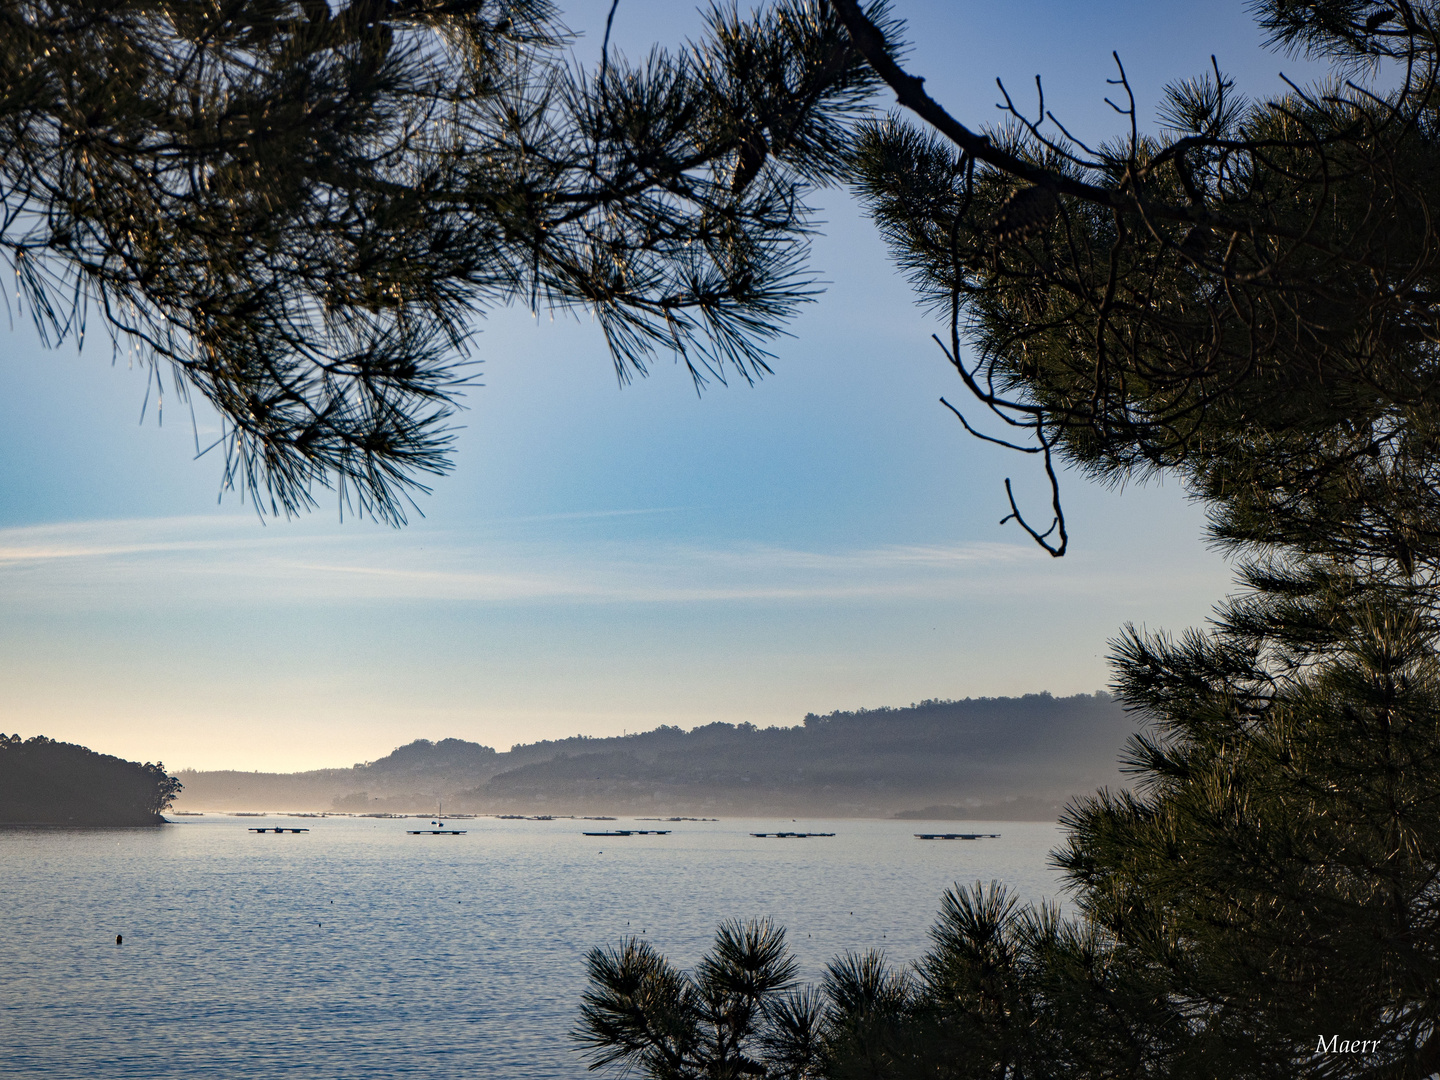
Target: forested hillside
x,y
411,777
44,782
1026,754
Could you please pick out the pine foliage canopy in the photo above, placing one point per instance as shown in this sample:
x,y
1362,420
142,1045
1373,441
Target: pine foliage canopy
x,y
298,209
1245,302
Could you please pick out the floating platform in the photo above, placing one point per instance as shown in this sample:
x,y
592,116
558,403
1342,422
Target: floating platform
x,y
436,832
792,835
278,829
957,836
631,832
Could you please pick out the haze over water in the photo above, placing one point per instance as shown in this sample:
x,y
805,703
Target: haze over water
x,y
356,950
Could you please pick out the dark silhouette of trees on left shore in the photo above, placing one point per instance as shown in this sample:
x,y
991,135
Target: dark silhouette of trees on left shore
x,y
45,782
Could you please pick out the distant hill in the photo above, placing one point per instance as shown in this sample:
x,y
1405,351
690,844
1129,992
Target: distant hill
x,y
411,777
43,782
1017,757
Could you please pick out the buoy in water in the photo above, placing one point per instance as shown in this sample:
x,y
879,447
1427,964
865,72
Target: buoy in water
x,y
119,939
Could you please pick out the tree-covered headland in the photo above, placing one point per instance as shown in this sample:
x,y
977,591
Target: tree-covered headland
x,y
1244,302
44,782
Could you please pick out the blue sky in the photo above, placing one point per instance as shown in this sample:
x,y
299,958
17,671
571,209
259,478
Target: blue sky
x,y
604,559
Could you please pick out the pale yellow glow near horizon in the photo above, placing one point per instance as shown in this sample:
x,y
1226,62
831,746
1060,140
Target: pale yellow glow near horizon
x,y
208,644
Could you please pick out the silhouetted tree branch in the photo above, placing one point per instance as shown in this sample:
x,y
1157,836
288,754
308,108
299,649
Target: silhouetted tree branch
x,y
1243,301
298,211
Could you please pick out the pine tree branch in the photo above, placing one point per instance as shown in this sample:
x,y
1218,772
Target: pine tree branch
x,y
910,92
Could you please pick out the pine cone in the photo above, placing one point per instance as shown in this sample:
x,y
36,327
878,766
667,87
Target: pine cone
x,y
1025,212
753,152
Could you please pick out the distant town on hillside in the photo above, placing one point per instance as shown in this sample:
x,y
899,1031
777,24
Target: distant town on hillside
x,y
1003,758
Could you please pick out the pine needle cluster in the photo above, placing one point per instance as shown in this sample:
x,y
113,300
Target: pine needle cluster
x,y
299,210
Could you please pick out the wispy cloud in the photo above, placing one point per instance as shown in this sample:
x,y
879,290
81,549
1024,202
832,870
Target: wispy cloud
x,y
185,628
597,515
107,559
233,560
101,539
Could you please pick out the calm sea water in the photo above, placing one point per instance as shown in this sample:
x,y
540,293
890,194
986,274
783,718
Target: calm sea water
x,y
355,950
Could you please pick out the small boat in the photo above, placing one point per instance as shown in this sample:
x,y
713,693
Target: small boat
x,y
792,835
957,836
439,829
